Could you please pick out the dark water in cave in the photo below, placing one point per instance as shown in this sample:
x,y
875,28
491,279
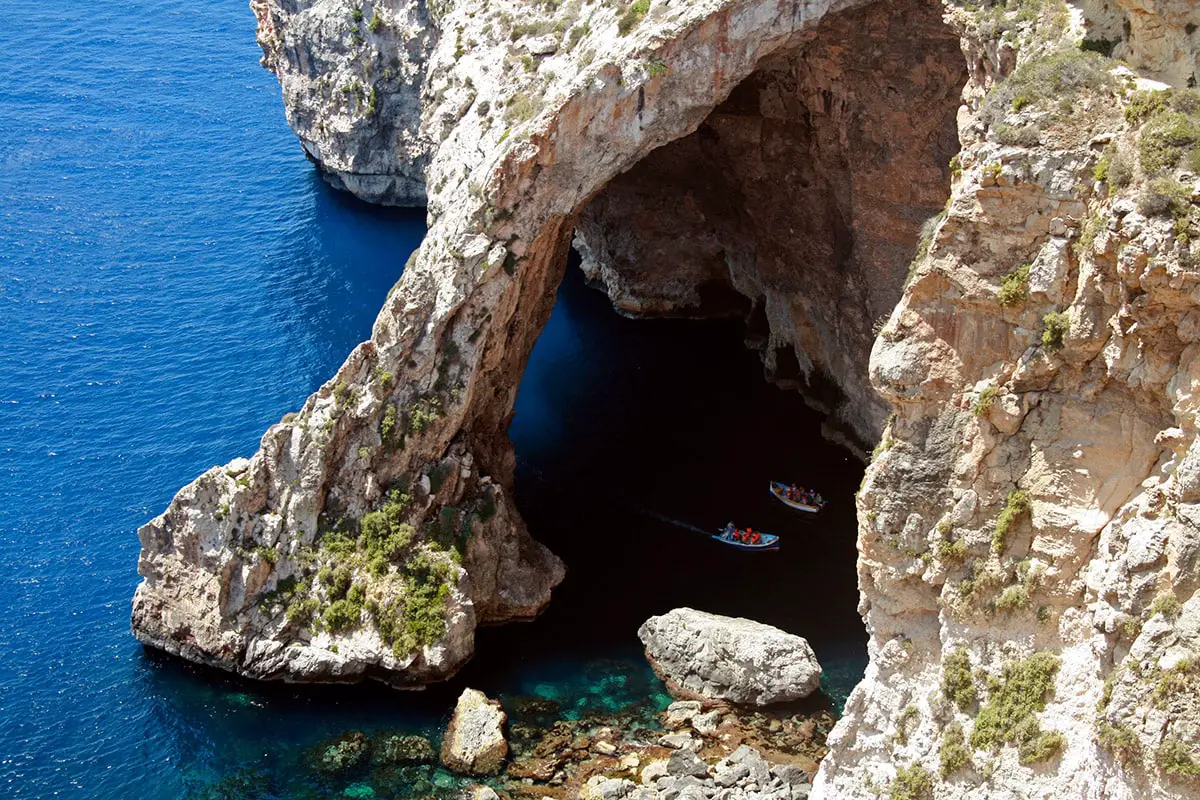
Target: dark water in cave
x,y
635,439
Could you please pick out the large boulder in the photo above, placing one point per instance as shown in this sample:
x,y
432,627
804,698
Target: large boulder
x,y
702,655
474,743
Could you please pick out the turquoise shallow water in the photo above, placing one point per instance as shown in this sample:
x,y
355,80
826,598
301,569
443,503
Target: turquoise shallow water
x,y
174,277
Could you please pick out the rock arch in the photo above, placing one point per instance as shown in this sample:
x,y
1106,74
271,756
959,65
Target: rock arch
x,y
421,410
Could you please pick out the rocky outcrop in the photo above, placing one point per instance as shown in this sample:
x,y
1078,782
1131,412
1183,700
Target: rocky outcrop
x,y
729,658
1026,545
474,743
352,77
1027,529
374,529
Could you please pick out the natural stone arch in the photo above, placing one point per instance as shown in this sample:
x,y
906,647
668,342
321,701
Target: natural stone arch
x,y
444,364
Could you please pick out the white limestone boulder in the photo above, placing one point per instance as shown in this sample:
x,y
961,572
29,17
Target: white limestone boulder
x,y
729,658
474,743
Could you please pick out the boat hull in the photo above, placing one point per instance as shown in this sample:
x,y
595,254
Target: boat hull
x,y
769,541
777,490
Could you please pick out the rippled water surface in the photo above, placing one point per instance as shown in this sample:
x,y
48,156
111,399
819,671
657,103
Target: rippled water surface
x,y
174,278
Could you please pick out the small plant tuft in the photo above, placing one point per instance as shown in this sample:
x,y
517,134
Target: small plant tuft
x,y
957,683
1176,759
1007,716
1057,323
986,398
634,13
1163,197
1166,604
1015,505
912,783
953,753
1014,287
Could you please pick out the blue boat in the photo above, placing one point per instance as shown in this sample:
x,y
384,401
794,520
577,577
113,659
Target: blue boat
x,y
740,538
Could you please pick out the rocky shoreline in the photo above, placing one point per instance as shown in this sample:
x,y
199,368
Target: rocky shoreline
x,y
693,749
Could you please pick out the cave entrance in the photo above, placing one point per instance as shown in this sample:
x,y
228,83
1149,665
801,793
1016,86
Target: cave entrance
x,y
798,202
635,440
786,222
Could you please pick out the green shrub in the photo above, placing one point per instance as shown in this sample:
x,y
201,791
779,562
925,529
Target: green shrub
x,y
1021,691
389,426
1167,604
1178,681
384,532
428,586
1145,104
1175,758
1016,504
951,550
356,15
1017,135
1057,323
343,394
906,717
1166,139
1036,746
521,107
1114,168
634,13
577,34
912,783
1014,287
300,611
536,27
953,753
1164,197
657,68
342,615
985,400
376,23
1120,740
1065,74
337,543
424,412
957,683
1012,599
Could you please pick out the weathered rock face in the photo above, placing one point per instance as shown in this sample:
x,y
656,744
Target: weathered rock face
x,y
728,658
1027,552
352,77
474,743
803,193
1157,38
1028,548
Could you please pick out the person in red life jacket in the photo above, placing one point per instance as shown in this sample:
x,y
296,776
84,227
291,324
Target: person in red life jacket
x,y
755,538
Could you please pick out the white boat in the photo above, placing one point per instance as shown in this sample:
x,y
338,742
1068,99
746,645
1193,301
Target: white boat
x,y
808,500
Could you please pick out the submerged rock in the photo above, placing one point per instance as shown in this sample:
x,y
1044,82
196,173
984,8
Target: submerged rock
x,y
403,749
474,743
729,658
342,754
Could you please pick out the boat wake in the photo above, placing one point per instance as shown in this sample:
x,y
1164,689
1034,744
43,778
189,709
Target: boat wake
x,y
678,523
612,500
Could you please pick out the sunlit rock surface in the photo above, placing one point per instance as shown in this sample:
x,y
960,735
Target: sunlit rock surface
x,y
1027,529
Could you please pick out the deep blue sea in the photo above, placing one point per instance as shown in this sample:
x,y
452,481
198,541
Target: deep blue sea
x,y
174,277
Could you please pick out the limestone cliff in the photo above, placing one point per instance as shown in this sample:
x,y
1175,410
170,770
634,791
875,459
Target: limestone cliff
x,y
1026,535
1027,529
